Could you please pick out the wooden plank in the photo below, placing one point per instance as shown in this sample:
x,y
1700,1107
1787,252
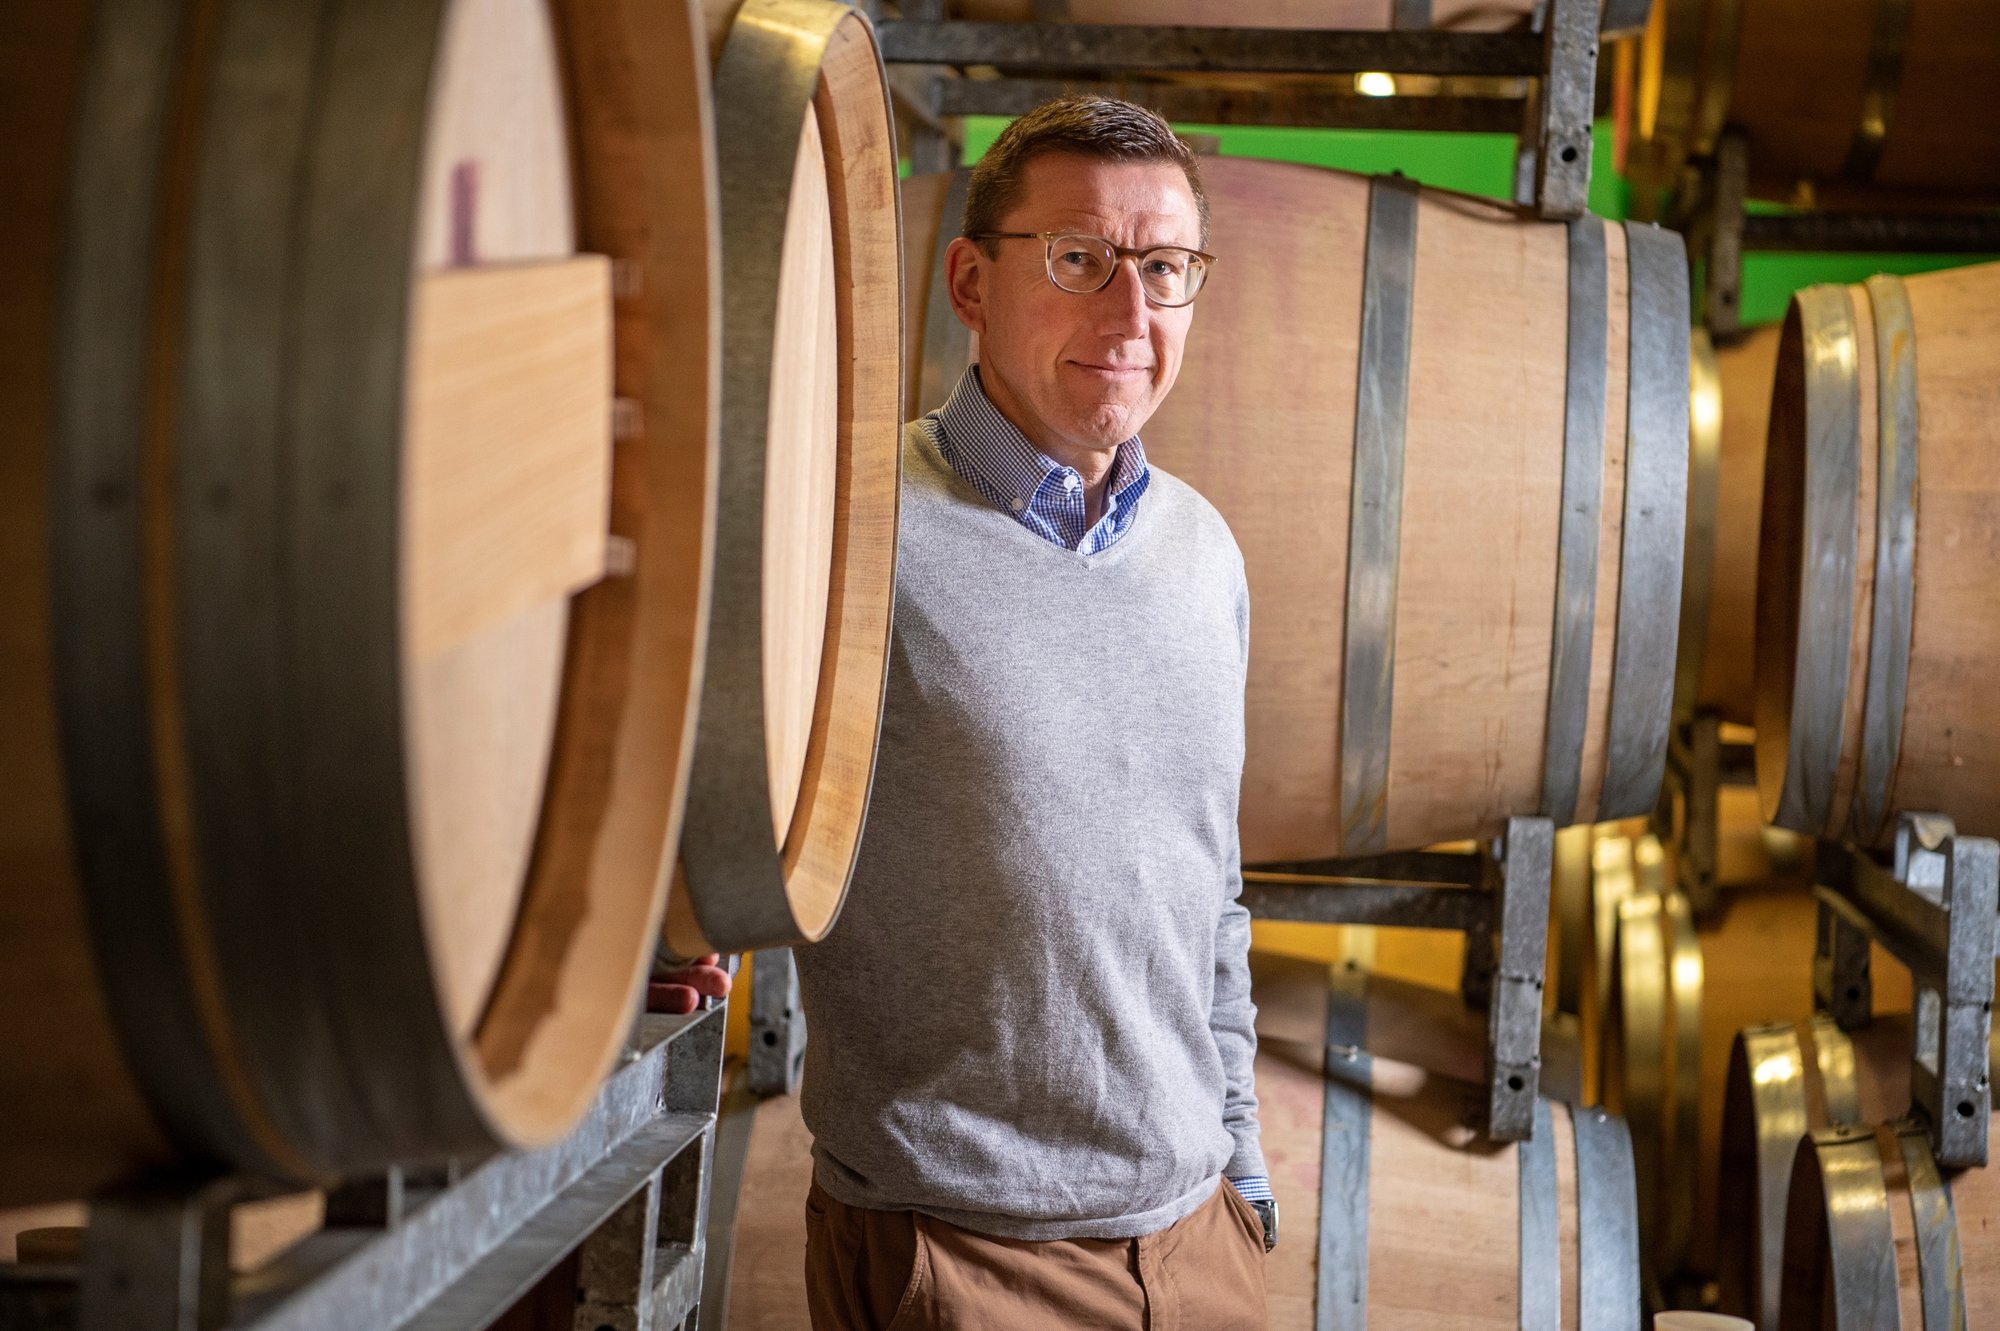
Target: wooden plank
x,y
508,444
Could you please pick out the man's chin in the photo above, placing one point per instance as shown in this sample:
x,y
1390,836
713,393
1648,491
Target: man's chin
x,y
1108,426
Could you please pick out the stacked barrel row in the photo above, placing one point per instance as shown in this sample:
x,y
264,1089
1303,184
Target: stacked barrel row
x,y
1875,103
1849,562
450,462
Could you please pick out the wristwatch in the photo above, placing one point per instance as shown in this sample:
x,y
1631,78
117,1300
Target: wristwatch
x,y
1268,1213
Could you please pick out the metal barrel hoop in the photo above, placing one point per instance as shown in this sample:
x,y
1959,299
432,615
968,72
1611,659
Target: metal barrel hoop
x,y
1775,1067
1826,591
1855,1212
1541,1238
765,85
1684,982
1649,584
1342,1291
1895,555
1577,538
1940,1260
1607,1232
1375,523
1704,489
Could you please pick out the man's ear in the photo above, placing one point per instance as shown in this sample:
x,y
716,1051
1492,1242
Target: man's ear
x,y
966,275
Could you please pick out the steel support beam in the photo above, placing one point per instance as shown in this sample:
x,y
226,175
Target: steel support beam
x,y
1082,48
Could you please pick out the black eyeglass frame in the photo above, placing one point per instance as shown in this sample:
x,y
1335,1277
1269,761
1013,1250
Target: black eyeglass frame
x,y
1118,252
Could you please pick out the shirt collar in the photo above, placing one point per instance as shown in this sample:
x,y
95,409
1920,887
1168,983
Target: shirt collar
x,y
987,449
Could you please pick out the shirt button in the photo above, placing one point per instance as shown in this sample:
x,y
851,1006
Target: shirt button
x,y
1018,505
1070,482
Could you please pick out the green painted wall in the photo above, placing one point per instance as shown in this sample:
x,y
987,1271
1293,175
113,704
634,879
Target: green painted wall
x,y
1484,164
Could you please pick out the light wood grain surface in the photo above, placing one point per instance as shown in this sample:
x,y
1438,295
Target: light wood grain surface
x,y
799,467
482,672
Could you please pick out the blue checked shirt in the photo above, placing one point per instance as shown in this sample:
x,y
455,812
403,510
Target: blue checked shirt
x,y
996,459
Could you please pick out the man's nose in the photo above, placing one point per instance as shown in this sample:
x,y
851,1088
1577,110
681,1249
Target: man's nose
x,y
1122,300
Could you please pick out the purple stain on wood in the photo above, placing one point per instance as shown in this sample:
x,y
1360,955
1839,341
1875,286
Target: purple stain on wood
x,y
464,213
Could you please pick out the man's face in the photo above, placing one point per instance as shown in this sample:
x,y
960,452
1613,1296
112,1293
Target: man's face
x,y
1086,371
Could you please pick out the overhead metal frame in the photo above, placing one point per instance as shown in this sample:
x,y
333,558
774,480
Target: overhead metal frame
x,y
447,1250
1497,896
1933,907
1549,109
1711,209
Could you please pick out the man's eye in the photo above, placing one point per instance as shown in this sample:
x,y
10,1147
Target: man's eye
x,y
1076,258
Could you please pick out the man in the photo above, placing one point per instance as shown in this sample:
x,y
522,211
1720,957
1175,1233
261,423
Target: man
x,y
1029,1070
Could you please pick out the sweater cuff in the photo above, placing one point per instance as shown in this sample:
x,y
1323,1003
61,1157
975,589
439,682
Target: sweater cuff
x,y
1253,1188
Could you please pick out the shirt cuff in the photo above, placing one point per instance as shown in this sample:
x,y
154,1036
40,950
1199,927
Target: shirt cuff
x,y
1253,1188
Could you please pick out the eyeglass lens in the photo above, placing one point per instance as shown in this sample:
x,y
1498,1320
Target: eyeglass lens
x,y
1083,264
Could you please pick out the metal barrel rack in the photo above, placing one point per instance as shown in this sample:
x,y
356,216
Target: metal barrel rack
x,y
775,1065
1711,208
1700,763
626,1194
1498,896
1539,86
1932,906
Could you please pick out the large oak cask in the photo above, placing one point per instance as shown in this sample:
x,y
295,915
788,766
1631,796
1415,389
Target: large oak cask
x,y
350,660
1861,98
1785,1081
1877,1236
1880,555
1732,403
1452,445
1396,1213
811,408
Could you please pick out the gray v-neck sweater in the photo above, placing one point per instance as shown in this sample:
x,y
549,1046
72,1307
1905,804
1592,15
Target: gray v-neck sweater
x,y
1033,1017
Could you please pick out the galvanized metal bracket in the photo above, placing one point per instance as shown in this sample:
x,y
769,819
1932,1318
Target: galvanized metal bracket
x,y
1933,907
444,1250
1699,765
1563,107
1497,896
1725,188
777,1024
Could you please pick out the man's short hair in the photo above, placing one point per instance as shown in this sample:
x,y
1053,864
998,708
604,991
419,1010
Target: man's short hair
x,y
1100,127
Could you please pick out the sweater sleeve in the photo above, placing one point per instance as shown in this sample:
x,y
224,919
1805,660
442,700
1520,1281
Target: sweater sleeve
x,y
1232,1019
1232,1016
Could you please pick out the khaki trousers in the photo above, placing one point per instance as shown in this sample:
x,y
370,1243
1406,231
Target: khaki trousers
x,y
870,1270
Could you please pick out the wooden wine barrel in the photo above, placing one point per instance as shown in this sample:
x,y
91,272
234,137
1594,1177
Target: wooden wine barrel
x,y
1734,404
1785,1081
1881,546
1620,17
1369,1091
1467,585
1867,98
350,776
1876,1237
805,544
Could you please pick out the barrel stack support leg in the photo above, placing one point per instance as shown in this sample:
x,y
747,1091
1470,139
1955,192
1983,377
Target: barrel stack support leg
x,y
1521,865
1560,111
777,1024
1933,907
1694,773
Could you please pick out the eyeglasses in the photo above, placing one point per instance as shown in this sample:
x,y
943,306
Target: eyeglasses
x,y
1171,275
